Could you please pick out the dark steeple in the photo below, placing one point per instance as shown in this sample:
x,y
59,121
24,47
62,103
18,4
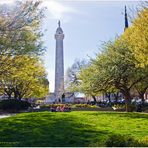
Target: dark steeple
x,y
126,20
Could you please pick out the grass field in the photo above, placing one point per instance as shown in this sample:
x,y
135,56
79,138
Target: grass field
x,y
69,129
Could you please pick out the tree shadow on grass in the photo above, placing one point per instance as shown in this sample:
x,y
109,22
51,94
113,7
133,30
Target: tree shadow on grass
x,y
48,130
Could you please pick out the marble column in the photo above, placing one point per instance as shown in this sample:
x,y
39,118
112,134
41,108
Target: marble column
x,y
59,64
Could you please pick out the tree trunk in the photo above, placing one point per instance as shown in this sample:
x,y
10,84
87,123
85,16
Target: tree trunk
x,y
8,92
116,96
141,93
19,97
108,95
94,99
9,96
16,95
142,98
128,101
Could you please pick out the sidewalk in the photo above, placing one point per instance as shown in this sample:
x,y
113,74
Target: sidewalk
x,y
6,115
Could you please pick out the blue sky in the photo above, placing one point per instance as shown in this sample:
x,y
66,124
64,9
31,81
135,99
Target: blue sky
x,y
86,24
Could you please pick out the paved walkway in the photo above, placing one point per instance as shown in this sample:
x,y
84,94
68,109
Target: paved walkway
x,y
6,115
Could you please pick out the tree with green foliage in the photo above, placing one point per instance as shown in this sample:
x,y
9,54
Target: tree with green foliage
x,y
137,36
27,79
20,31
115,68
22,75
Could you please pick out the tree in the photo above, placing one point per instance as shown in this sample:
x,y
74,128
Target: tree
x,y
114,68
137,36
20,46
141,88
72,75
20,32
27,78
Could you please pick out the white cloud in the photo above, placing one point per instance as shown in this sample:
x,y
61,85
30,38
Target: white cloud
x,y
58,9
7,1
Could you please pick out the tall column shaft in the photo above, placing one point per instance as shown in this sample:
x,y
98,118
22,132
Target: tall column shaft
x,y
59,67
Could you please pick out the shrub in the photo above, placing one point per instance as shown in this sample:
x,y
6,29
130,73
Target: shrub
x,y
117,140
93,106
85,106
14,105
144,141
48,106
118,106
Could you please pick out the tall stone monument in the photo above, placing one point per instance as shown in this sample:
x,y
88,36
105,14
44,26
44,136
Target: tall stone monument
x,y
59,64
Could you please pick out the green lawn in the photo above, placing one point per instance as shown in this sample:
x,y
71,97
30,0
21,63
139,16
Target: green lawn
x,y
69,129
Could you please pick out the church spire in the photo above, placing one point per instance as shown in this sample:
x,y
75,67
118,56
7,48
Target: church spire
x,y
126,20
